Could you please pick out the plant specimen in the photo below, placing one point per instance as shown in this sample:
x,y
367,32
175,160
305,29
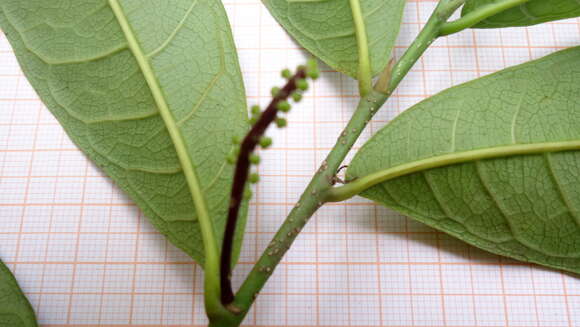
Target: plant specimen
x,y
152,92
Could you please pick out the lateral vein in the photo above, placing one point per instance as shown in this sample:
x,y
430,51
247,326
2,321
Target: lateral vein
x,y
174,33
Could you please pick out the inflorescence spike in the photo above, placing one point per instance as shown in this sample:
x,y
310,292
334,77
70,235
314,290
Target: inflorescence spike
x,y
243,156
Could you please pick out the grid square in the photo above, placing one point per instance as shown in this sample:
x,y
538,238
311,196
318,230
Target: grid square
x,y
364,279
303,310
460,310
177,309
146,309
270,311
333,280
302,278
333,311
397,310
395,279
428,310
522,310
113,309
491,310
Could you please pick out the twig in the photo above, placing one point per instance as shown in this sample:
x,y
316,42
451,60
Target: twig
x,y
315,194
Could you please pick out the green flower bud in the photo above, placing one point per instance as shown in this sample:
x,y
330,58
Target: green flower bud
x,y
256,110
286,73
302,84
231,158
275,91
265,142
247,194
313,71
254,178
236,139
297,97
281,122
283,106
254,159
314,74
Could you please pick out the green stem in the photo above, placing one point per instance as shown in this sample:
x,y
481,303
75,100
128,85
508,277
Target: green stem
x,y
342,193
478,15
364,62
426,37
309,202
315,194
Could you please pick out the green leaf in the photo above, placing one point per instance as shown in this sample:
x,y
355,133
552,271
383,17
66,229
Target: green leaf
x,y
530,13
326,28
494,162
151,91
15,311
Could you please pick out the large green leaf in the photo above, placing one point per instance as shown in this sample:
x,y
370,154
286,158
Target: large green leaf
x,y
326,29
151,91
15,311
494,162
529,13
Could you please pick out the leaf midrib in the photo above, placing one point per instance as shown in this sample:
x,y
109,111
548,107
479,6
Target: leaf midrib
x,y
210,243
364,64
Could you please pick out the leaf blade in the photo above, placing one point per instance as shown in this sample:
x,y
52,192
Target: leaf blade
x,y
177,137
530,13
513,204
108,107
15,310
333,38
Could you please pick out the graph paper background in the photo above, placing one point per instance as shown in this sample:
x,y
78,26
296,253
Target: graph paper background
x,y
84,254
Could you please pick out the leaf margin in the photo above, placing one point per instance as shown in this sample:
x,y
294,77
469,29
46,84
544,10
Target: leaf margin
x,y
24,311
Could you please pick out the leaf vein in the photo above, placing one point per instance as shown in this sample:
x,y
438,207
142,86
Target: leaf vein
x,y
211,84
443,206
556,180
490,194
515,117
454,132
174,32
